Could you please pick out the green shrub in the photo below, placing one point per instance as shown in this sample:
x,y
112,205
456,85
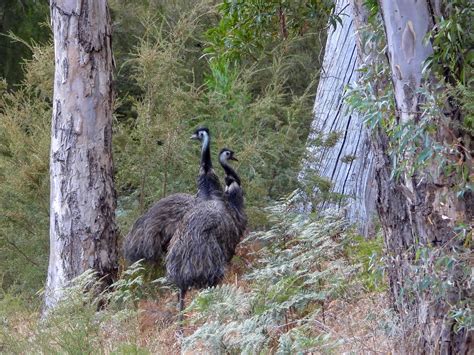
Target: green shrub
x,y
79,323
25,116
369,254
259,109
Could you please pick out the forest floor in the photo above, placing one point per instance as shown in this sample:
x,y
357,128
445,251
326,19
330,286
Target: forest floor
x,y
358,323
353,325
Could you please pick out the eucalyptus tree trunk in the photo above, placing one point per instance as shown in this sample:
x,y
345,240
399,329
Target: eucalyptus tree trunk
x,y
419,211
83,233
338,147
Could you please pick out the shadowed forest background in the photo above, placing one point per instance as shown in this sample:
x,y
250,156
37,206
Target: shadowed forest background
x,y
248,71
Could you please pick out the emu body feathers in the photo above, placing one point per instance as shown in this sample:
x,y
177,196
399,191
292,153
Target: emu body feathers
x,y
196,257
151,233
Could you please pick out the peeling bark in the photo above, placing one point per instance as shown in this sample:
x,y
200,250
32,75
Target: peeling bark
x,y
83,233
416,212
349,163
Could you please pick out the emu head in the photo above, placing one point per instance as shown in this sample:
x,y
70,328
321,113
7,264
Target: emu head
x,y
201,134
225,155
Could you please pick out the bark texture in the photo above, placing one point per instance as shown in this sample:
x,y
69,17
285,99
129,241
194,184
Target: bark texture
x,y
348,164
83,233
416,212
406,24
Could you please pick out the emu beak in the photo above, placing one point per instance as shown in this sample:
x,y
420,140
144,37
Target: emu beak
x,y
194,136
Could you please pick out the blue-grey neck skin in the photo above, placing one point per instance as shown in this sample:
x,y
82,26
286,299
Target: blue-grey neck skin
x,y
206,162
209,186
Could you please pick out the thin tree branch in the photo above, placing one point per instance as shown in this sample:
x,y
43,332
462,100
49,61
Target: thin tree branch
x,y
17,249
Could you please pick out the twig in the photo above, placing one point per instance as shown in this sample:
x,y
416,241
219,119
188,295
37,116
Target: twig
x,y
15,247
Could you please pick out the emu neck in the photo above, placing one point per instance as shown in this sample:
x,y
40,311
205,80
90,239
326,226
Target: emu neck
x,y
229,171
206,162
233,190
208,183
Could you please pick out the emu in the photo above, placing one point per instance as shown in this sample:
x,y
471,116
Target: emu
x,y
234,196
206,238
151,233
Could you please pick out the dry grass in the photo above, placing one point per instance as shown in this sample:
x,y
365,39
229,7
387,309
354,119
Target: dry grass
x,y
356,325
352,326
359,324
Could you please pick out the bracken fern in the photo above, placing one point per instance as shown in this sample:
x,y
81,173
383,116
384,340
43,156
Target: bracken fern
x,y
300,267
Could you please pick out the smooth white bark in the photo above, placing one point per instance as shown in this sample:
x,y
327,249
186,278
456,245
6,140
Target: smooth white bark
x,y
407,23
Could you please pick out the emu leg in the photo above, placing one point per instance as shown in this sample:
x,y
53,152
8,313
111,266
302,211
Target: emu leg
x,y
179,332
181,295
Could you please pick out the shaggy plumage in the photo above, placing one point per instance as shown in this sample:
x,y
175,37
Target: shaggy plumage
x,y
206,238
195,257
151,233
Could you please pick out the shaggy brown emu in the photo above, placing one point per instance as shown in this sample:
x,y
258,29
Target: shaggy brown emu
x,y
206,238
151,233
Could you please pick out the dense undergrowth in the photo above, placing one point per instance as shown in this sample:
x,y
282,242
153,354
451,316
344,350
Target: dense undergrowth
x,y
290,289
283,303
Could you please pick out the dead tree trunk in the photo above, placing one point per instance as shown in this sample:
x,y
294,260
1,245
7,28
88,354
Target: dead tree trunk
x,y
338,156
83,233
419,210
